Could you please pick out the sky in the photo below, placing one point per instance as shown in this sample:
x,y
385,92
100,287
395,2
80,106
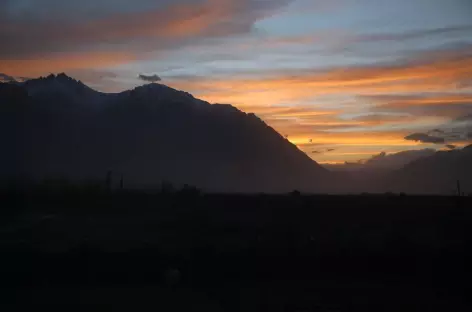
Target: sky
x,y
344,80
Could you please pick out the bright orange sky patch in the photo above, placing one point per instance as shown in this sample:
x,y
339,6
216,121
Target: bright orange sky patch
x,y
63,62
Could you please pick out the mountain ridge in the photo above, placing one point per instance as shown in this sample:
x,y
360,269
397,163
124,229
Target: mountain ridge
x,y
57,127
150,134
436,174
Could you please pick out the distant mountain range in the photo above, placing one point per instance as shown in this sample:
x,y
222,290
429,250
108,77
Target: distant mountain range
x,y
436,174
57,127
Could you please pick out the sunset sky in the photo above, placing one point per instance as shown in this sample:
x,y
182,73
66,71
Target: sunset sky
x,y
342,79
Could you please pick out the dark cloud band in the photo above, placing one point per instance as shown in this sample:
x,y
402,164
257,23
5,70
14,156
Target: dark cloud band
x,y
149,78
424,138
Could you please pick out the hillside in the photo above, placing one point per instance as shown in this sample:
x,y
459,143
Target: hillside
x,y
58,127
436,174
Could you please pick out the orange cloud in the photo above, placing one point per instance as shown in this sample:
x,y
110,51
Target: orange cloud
x,y
354,139
161,28
451,105
349,147
309,134
179,20
441,99
286,111
36,47
319,131
370,87
63,62
305,127
382,119
442,74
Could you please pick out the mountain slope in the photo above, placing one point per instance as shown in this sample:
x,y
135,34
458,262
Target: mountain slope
x,y
149,134
436,174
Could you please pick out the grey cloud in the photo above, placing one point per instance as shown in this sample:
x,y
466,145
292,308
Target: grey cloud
x,y
424,138
414,34
184,77
30,29
464,118
386,103
431,106
456,130
450,146
464,84
381,116
149,78
323,151
76,10
361,45
442,109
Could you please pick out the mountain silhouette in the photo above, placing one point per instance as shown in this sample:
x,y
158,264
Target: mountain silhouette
x,y
435,174
57,127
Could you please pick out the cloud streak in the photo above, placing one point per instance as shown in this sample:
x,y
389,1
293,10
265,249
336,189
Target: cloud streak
x,y
149,78
375,88
440,104
425,138
310,77
439,73
61,62
169,23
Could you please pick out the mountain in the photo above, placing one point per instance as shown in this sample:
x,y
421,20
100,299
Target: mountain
x,y
433,173
58,127
382,162
436,174
8,78
64,91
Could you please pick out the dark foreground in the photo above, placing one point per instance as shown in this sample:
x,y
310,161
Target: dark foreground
x,y
190,252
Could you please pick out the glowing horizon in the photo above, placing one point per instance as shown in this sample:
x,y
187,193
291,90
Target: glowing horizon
x,y
354,76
